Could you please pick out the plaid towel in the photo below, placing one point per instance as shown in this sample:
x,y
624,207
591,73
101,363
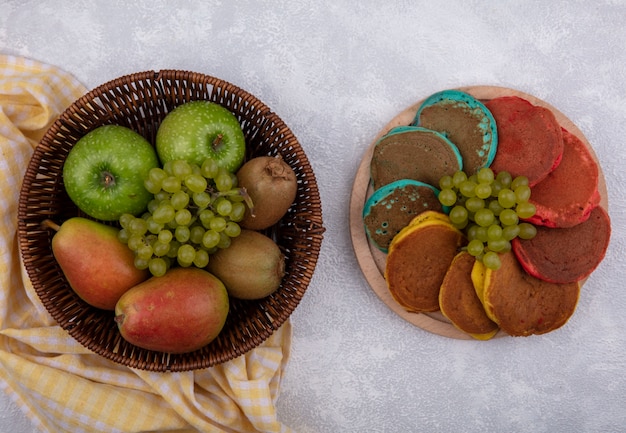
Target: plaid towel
x,y
59,384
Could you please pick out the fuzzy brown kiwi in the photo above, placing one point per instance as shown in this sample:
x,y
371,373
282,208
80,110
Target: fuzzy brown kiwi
x,y
252,267
272,186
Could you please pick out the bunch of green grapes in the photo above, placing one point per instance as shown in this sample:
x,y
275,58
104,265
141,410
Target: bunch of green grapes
x,y
490,209
195,211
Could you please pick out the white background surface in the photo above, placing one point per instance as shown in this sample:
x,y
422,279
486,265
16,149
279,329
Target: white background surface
x,y
337,72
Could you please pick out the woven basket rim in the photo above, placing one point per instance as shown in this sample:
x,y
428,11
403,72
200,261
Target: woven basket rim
x,y
141,99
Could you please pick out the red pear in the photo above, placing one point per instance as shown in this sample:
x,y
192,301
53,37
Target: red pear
x,y
97,266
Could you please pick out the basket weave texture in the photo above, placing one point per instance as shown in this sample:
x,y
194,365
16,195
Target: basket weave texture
x,y
140,101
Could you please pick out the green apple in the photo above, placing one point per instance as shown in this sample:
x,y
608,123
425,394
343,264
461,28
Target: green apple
x,y
105,170
198,130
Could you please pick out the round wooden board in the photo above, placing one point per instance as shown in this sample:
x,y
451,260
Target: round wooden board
x,y
372,261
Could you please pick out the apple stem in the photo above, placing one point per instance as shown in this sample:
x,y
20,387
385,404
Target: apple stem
x,y
49,224
218,141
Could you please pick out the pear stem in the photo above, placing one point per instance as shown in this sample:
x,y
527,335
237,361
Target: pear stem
x,y
119,319
49,224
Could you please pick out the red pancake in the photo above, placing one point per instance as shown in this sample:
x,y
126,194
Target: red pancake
x,y
569,193
565,255
530,141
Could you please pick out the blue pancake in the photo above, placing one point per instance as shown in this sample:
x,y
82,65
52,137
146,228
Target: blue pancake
x,y
413,152
392,207
466,122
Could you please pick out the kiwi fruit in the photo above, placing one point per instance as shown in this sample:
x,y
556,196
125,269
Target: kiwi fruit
x,y
272,186
252,267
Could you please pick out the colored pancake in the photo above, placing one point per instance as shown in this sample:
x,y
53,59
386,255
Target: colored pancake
x,y
460,303
568,194
523,305
563,255
466,122
418,259
530,141
392,207
410,152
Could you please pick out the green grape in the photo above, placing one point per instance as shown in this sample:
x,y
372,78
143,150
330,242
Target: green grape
x,y
210,239
484,217
472,204
196,233
458,178
218,224
196,183
202,199
224,241
164,213
223,181
232,229
519,181
522,193
151,187
171,184
223,206
475,247
527,231
467,188
186,254
495,207
173,251
238,212
483,190
162,196
181,168
491,260
510,232
525,210
458,215
504,178
160,248
135,241
497,245
201,259
126,219
182,233
179,200
158,266
183,217
156,175
123,235
485,175
153,226
141,263
144,252
446,182
494,232
138,226
508,217
165,236
447,197
206,216
209,168
506,198
167,168
496,187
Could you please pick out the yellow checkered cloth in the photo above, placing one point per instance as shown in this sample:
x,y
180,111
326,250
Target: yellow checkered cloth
x,y
59,384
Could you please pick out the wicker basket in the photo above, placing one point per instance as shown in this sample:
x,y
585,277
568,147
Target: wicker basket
x,y
140,101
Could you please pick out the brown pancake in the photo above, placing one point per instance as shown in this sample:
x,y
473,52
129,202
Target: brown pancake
x,y
411,152
563,255
418,259
523,305
392,207
567,195
530,141
460,303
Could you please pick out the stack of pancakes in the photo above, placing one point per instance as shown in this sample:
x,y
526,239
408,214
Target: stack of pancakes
x,y
536,289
